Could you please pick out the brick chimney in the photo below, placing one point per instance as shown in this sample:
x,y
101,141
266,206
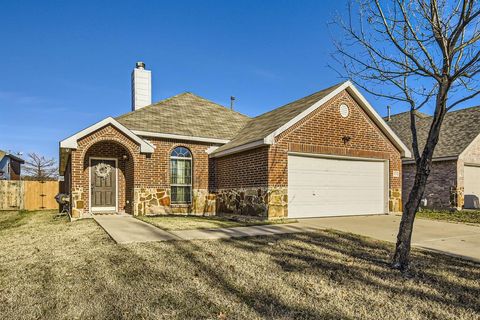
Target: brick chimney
x,y
141,86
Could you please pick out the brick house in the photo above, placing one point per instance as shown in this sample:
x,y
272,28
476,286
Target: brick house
x,y
10,166
454,180
329,153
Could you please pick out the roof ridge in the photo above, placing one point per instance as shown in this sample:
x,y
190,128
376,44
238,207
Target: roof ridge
x,y
152,105
416,111
218,104
176,96
430,116
296,100
464,109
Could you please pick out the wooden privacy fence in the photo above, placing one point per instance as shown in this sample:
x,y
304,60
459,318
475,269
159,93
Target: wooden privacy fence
x,y
28,195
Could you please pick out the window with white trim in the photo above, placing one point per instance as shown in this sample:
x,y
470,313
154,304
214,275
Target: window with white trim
x,y
181,176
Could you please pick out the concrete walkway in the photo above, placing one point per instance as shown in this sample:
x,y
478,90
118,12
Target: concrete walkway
x,y
450,238
127,229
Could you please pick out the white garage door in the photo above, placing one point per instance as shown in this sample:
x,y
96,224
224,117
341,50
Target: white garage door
x,y
472,187
319,187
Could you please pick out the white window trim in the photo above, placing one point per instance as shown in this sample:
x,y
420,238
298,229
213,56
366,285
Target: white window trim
x,y
243,147
182,185
101,209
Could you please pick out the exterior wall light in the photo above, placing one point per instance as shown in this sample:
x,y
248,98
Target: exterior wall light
x,y
346,139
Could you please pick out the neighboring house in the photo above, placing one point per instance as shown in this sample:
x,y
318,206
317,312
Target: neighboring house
x,y
454,180
326,154
10,166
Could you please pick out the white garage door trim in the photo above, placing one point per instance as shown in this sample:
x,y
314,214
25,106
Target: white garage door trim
x,y
293,211
471,184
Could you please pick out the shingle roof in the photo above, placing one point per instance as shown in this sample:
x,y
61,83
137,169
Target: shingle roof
x,y
263,125
459,128
186,114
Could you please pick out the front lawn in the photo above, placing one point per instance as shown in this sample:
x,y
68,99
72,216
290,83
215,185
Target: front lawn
x,y
54,269
195,222
452,216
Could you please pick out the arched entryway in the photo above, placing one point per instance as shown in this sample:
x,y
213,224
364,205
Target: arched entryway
x,y
108,174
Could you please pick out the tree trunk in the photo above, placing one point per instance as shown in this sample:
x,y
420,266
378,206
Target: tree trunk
x,y
423,165
404,237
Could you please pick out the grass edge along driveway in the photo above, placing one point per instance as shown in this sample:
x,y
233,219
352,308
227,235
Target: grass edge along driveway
x,y
189,222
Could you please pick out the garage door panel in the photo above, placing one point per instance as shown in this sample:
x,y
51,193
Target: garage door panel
x,y
329,187
471,187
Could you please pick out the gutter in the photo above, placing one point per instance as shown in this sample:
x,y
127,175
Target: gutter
x,y
411,161
240,148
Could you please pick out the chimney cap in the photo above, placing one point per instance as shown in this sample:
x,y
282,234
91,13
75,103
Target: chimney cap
x,y
140,65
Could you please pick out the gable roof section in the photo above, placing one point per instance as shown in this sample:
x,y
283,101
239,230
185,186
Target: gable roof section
x,y
12,156
459,129
71,142
264,128
186,115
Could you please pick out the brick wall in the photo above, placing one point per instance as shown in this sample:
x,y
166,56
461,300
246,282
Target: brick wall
x,y
156,170
242,170
241,182
321,132
106,149
250,182
445,185
143,179
15,169
105,142
441,184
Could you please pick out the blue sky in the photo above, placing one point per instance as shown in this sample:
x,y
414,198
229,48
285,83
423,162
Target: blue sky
x,y
66,65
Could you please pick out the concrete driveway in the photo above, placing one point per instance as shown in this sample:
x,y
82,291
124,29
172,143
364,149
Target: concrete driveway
x,y
451,238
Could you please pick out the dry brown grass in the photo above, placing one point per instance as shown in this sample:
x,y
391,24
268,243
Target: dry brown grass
x,y
53,269
463,216
176,222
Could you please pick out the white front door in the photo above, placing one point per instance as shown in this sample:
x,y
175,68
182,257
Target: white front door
x,y
471,176
319,187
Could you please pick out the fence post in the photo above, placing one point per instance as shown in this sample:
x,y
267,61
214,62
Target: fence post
x,y
21,195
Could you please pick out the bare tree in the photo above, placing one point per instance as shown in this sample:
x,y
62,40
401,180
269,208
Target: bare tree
x,y
39,168
416,52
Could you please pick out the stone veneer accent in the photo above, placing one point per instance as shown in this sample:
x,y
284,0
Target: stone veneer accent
x,y
258,201
156,201
77,202
395,200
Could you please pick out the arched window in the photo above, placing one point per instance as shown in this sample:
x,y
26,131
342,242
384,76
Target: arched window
x,y
181,175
